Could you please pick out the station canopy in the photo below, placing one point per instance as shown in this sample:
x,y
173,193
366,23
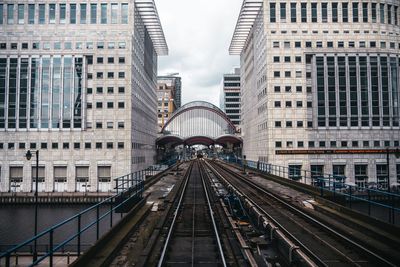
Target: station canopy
x,y
198,122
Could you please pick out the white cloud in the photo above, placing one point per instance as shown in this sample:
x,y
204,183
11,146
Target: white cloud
x,y
198,34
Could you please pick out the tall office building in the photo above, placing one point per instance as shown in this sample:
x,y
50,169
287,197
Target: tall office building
x,y
78,83
173,81
166,93
230,96
320,86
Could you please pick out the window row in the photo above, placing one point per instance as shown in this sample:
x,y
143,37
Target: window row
x,y
62,45
109,105
109,90
57,181
107,125
362,177
330,44
64,145
63,13
110,75
335,144
289,104
287,74
334,12
41,92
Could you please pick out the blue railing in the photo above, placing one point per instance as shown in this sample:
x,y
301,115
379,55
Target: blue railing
x,y
76,222
376,203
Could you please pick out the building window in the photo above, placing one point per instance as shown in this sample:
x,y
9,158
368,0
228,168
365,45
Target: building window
x,y
110,75
303,12
314,12
278,124
65,145
110,125
277,89
299,124
93,13
110,104
121,105
272,12
277,74
295,172
278,144
21,10
114,13
121,75
300,144
361,175
288,104
381,176
100,60
289,124
77,145
110,145
99,125
398,172
103,15
345,12
293,15
121,125
311,144
10,14
277,104
99,145
60,176
83,10
88,145
121,145
99,104
124,13
283,11
72,13
81,178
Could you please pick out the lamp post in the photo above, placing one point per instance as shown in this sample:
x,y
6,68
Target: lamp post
x,y
28,157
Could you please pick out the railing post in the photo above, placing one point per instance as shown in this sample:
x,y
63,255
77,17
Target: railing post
x,y
97,221
51,248
8,260
111,215
350,198
369,202
79,235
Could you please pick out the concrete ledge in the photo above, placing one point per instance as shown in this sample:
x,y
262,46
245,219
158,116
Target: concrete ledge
x,y
104,250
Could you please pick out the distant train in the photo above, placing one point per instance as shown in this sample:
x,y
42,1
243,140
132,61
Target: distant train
x,y
199,155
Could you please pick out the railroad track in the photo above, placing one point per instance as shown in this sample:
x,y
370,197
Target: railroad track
x,y
193,237
321,243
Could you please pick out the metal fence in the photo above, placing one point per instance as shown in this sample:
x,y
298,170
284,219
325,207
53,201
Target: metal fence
x,y
376,203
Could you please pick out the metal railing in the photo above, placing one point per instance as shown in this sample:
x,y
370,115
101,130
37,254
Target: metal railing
x,y
50,235
376,203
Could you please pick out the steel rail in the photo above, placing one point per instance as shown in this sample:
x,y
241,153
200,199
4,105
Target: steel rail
x,y
162,257
287,234
221,252
308,217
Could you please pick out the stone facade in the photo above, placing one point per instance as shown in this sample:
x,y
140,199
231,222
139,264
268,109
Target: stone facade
x,y
320,88
77,83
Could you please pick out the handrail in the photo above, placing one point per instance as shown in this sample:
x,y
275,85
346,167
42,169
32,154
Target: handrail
x,y
138,189
334,184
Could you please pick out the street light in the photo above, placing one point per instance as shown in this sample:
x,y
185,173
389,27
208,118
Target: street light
x,y
28,157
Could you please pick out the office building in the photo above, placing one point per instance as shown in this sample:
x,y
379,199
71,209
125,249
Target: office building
x,y
320,86
173,81
230,96
78,83
166,92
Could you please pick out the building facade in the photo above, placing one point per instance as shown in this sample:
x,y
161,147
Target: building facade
x,y
230,96
167,101
77,83
320,86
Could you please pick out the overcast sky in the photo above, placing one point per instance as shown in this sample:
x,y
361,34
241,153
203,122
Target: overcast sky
x,y
198,34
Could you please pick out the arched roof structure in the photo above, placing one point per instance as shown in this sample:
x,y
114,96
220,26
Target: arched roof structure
x,y
198,122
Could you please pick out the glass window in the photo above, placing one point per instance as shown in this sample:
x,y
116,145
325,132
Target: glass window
x,y
389,14
93,13
293,15
1,13
355,12
114,13
381,176
72,13
62,13
345,12
382,13
103,15
334,12
124,14
361,175
21,10
283,11
295,172
52,13
365,12
31,13
398,173
42,14
373,12
324,9
10,14
314,12
83,13
272,12
303,12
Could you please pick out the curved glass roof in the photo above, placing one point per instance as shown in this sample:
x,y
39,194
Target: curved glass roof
x,y
199,118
